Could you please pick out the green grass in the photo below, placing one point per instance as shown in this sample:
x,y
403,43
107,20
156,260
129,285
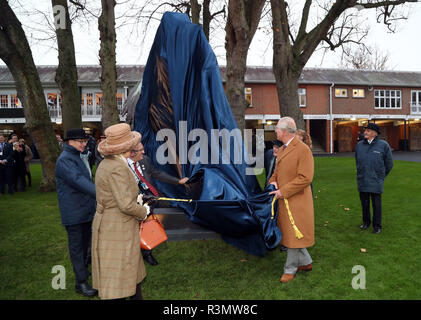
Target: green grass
x,y
32,241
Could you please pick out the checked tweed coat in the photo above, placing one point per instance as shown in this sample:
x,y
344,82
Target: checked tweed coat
x,y
294,173
117,264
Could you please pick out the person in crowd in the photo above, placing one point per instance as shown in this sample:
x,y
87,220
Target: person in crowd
x,y
13,138
60,141
6,166
76,199
360,135
144,171
292,177
91,146
270,159
117,265
305,137
374,162
19,167
99,157
28,159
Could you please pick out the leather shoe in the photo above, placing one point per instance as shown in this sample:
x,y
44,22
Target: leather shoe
x,y
85,289
377,231
307,268
287,277
364,226
149,258
283,248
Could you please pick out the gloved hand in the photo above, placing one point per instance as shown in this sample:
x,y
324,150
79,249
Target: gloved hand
x,y
140,199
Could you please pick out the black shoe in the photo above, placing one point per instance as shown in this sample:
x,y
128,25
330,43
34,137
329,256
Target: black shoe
x,y
364,226
283,248
377,231
85,289
150,259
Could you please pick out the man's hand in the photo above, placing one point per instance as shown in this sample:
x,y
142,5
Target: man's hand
x,y
277,193
183,181
275,184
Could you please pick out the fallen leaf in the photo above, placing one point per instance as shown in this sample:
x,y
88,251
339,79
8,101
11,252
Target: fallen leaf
x,y
341,205
363,250
197,296
243,260
346,209
315,197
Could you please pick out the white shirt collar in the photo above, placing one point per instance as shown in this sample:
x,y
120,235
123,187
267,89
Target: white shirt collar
x,y
289,141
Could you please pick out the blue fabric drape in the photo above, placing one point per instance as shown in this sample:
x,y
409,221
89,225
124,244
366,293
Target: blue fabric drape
x,y
228,201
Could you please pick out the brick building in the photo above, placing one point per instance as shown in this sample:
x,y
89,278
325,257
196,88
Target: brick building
x,y
336,104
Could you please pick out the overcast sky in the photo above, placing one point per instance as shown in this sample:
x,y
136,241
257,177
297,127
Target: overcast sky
x,y
403,47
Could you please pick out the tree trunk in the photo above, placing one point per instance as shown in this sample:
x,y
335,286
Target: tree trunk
x,y
66,73
195,11
16,53
206,18
242,22
286,70
106,26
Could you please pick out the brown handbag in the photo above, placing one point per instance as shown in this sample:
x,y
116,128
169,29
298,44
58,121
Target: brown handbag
x,y
152,233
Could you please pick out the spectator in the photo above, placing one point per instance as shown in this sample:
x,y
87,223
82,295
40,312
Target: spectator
x,y
305,137
270,159
99,157
60,141
6,166
19,167
91,146
76,199
28,159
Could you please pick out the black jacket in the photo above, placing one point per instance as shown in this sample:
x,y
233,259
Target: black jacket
x,y
7,154
374,162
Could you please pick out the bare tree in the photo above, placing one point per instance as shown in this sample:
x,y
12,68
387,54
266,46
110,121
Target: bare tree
x,y
16,53
66,73
106,26
365,58
243,19
292,51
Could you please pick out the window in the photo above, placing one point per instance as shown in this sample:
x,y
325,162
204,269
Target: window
x,y
4,101
341,93
14,101
302,97
358,93
248,96
415,101
387,99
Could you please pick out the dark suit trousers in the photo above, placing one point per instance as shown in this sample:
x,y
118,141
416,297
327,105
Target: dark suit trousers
x,y
376,201
79,239
6,177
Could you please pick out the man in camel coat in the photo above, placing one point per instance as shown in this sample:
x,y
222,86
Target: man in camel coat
x,y
292,178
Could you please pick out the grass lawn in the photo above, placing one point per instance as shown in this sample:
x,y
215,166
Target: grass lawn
x,y
32,241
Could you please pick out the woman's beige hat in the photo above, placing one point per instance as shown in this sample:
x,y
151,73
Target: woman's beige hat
x,y
119,139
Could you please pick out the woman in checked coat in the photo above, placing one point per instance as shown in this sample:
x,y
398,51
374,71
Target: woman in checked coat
x,y
117,265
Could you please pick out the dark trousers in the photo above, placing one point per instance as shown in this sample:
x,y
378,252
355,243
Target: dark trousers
x,y
376,201
6,177
79,239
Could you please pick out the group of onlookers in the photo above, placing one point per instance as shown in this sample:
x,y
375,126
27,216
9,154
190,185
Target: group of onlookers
x,y
15,157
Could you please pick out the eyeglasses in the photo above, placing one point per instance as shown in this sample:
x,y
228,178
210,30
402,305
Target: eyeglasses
x,y
82,141
139,150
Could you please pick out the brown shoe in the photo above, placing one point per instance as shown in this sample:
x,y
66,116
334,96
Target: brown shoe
x,y
287,277
307,268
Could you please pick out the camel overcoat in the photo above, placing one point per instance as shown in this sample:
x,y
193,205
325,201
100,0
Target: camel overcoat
x,y
117,264
294,173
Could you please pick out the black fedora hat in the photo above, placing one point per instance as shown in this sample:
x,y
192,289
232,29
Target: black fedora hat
x,y
75,133
373,126
277,143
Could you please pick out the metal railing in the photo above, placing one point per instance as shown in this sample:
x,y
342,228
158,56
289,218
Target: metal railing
x,y
87,112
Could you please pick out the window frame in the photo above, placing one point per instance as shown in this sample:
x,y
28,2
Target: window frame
x,y
385,97
341,96
358,96
302,94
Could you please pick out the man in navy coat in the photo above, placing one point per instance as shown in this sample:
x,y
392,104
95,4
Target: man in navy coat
x,y
6,166
77,203
374,162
